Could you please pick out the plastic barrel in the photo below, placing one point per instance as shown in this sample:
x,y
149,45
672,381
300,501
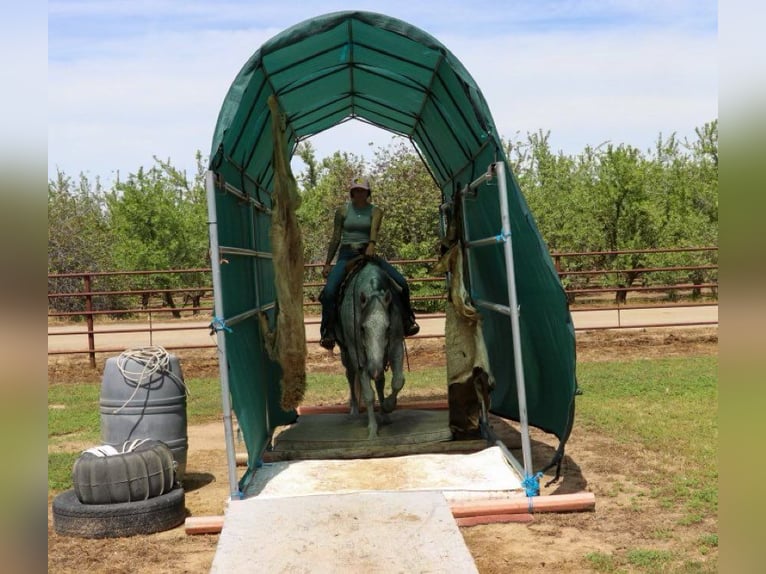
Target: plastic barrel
x,y
153,407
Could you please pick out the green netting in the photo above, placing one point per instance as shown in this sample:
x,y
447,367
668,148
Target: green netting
x,y
370,67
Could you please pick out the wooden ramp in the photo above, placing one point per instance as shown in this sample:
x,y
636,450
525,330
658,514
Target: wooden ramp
x,y
371,532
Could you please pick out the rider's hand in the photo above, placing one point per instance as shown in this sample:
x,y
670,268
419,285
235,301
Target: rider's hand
x,y
370,250
326,270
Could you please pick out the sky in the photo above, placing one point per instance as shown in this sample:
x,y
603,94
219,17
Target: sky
x,y
129,80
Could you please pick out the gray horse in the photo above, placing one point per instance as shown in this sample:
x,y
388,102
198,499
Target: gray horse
x,y
371,335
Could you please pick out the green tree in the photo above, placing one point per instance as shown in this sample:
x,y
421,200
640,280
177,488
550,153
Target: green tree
x,y
78,237
157,218
410,198
306,152
319,201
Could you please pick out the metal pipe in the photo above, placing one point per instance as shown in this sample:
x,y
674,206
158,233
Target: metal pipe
x,y
89,321
486,176
507,454
244,197
526,448
231,455
494,240
503,309
228,250
247,314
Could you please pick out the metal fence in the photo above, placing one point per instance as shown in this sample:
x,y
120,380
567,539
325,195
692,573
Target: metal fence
x,y
594,281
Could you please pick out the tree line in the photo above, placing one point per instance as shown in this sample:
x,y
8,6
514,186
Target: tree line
x,y
606,198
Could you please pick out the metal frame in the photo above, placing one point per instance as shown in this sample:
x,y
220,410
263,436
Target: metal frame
x,y
222,323
498,170
215,261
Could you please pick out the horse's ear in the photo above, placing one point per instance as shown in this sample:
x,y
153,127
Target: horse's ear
x,y
363,298
387,298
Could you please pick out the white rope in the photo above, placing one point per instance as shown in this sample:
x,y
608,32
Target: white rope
x,y
109,450
155,359
103,450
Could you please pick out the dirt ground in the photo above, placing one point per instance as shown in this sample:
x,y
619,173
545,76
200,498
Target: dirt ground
x,y
552,542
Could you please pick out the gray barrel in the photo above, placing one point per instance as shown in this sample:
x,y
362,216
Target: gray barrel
x,y
153,407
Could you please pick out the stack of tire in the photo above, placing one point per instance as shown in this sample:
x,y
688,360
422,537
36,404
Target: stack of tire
x,y
121,492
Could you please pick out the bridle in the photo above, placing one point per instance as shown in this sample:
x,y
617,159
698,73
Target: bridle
x,y
361,350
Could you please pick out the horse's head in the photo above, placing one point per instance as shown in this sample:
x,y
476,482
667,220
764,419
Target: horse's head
x,y
374,326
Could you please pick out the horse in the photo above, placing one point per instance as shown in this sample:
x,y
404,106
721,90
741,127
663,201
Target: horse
x,y
370,334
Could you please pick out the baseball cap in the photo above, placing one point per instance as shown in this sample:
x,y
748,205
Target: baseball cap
x,y
360,183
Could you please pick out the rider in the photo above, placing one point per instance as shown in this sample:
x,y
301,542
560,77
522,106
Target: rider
x,y
356,228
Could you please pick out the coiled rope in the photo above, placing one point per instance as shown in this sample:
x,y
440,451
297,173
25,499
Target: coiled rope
x,y
154,359
109,450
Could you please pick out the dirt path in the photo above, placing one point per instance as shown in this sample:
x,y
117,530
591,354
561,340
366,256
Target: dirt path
x,y
197,332
552,543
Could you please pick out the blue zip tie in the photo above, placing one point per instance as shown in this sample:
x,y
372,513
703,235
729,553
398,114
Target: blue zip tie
x,y
531,485
218,324
501,237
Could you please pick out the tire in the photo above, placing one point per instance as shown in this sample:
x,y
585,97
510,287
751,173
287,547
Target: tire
x,y
141,474
73,518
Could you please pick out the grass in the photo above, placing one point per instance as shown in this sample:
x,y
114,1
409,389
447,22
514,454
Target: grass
x,y
668,407
601,562
74,419
666,411
74,422
648,559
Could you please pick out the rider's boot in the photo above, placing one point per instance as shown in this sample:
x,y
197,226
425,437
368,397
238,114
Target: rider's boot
x,y
327,332
411,326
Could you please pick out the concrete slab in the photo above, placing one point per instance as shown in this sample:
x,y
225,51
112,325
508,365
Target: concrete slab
x,y
391,532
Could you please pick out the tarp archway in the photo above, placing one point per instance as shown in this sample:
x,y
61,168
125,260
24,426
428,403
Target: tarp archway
x,y
380,70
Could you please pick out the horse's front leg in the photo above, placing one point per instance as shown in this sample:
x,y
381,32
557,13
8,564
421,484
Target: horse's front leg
x,y
380,387
396,356
353,386
353,383
369,401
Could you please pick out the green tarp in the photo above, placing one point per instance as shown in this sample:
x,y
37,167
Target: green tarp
x,y
377,69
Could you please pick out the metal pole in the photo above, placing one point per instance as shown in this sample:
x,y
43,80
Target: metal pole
x,y
486,176
89,320
526,449
215,263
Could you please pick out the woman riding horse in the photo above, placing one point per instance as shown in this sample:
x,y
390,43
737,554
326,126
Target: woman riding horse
x,y
355,230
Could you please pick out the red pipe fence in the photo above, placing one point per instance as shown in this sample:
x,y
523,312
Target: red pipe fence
x,y
593,281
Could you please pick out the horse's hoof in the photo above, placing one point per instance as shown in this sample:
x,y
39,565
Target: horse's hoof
x,y
389,404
